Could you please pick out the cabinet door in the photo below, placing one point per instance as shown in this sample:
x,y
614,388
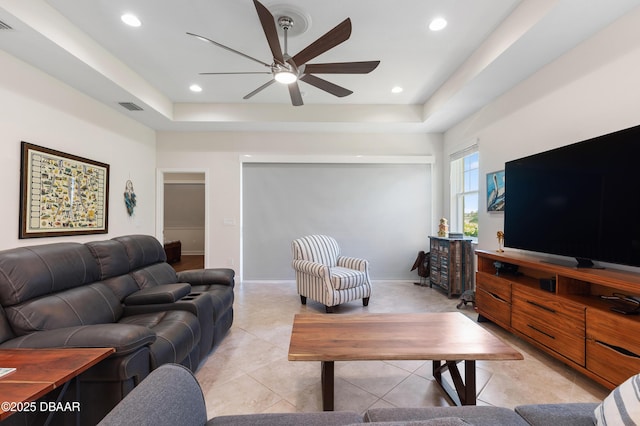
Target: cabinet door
x,y
493,298
613,345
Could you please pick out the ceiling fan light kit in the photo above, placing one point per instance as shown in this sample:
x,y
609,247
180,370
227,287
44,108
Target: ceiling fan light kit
x,y
285,77
288,69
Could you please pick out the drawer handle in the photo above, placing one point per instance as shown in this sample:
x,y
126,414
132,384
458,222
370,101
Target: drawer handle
x,y
495,296
619,349
540,331
541,306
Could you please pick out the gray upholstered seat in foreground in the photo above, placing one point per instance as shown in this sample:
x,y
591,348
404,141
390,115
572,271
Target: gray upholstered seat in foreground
x,y
576,414
171,396
325,276
475,415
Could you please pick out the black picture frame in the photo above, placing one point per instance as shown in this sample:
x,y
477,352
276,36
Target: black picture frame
x,y
61,194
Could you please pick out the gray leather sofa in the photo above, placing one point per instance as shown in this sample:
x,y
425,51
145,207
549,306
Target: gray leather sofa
x,y
117,293
155,402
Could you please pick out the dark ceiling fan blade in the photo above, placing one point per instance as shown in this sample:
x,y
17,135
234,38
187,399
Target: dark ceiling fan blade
x,y
325,85
230,73
334,37
229,49
259,89
296,96
270,31
342,68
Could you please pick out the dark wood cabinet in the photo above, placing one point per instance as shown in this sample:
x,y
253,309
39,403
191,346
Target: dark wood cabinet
x,y
451,265
173,250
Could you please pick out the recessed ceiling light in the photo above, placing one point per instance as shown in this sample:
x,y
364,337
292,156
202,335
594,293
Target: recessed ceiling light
x,y
397,89
437,24
131,20
195,88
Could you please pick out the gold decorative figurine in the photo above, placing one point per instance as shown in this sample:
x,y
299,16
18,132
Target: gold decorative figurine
x,y
500,241
443,228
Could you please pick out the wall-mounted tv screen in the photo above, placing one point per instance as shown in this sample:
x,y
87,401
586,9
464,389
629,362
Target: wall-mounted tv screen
x,y
581,200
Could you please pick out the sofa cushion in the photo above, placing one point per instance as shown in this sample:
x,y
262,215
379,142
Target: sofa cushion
x,y
622,405
29,272
86,305
124,338
153,275
476,415
6,332
142,250
326,418
177,334
575,414
122,286
111,256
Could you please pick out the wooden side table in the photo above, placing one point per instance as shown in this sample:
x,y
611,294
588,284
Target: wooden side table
x,y
38,372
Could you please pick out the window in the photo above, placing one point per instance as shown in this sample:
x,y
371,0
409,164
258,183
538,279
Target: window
x,y
465,192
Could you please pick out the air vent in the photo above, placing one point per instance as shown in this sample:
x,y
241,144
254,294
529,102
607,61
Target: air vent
x,y
4,26
130,106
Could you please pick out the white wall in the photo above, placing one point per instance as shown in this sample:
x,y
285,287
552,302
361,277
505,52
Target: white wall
x,y
39,109
590,91
220,152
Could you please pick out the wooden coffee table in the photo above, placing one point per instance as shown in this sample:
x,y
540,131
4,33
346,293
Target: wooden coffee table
x,y
445,338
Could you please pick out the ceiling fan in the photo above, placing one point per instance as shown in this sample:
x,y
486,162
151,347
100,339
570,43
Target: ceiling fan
x,y
288,69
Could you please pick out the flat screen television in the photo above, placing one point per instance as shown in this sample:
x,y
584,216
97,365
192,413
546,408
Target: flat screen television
x,y
581,200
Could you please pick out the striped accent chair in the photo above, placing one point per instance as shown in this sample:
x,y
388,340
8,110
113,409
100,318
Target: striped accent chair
x,y
325,276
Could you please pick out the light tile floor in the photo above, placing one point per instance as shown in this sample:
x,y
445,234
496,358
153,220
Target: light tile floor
x,y
249,371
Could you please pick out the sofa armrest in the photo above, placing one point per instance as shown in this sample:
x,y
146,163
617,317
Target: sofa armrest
x,y
165,293
311,268
208,276
124,338
155,402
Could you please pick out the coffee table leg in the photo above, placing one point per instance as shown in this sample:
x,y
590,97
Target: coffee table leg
x,y
470,382
327,385
462,392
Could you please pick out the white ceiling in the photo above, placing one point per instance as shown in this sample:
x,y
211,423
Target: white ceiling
x,y
488,47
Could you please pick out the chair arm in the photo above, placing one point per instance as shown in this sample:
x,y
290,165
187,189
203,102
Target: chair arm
x,y
208,276
311,268
124,338
353,263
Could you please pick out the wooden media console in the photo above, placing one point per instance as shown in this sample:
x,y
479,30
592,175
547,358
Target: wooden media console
x,y
572,318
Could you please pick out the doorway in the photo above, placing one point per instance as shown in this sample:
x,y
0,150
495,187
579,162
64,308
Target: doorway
x,y
182,212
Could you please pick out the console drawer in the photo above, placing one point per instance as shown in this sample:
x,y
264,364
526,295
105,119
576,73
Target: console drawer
x,y
551,321
497,286
613,345
542,331
493,298
559,314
